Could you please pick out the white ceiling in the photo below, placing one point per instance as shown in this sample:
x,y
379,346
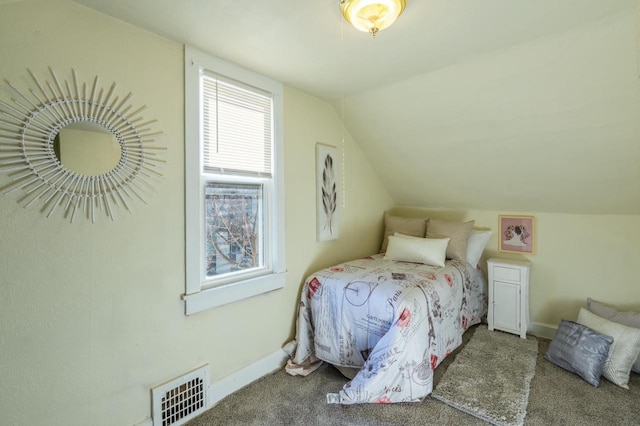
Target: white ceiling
x,y
451,93
299,42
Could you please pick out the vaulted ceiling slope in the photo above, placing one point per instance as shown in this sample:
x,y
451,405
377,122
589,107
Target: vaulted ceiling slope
x,y
498,105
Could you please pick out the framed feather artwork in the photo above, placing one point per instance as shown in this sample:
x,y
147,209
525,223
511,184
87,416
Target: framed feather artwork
x,y
327,192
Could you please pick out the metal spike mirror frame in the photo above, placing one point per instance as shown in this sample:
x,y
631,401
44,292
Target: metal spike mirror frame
x,y
27,132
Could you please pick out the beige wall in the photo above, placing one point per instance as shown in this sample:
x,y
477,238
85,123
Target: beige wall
x,y
577,256
90,315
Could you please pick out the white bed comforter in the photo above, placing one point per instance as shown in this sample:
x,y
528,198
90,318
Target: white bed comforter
x,y
394,321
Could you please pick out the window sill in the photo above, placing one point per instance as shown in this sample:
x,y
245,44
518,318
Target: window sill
x,y
229,293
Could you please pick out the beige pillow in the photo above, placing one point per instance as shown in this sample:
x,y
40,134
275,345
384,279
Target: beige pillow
x,y
458,232
624,350
416,227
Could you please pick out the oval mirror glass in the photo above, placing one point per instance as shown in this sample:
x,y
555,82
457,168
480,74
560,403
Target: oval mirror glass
x,y
87,148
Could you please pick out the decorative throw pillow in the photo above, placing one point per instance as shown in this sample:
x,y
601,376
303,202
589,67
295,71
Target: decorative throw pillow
x,y
624,350
418,250
631,319
415,227
457,231
580,350
475,246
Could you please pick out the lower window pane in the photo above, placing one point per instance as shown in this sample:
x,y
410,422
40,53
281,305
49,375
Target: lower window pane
x,y
234,227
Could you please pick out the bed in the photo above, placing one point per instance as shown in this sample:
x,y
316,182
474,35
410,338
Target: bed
x,y
385,323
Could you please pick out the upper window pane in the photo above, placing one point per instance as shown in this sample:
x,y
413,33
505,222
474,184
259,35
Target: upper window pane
x,y
237,128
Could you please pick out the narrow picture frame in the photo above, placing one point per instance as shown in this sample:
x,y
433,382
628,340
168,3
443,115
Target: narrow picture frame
x,y
327,192
516,234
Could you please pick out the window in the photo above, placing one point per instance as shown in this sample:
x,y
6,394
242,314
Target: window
x,y
234,183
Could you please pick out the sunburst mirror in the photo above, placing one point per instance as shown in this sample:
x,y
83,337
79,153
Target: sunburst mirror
x,y
78,148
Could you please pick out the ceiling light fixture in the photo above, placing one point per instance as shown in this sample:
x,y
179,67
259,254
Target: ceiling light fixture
x,y
372,15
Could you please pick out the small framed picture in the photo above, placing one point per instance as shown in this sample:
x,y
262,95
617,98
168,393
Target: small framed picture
x,y
516,234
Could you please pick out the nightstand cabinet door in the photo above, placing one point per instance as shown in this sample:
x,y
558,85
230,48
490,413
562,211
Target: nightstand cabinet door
x,y
508,296
506,306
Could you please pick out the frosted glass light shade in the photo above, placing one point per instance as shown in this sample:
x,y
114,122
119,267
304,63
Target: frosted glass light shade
x,y
372,15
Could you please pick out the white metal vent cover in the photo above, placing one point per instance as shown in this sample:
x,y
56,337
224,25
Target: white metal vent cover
x,y
181,399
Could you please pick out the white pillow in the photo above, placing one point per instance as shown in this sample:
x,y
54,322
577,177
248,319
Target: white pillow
x,y
624,350
475,246
430,251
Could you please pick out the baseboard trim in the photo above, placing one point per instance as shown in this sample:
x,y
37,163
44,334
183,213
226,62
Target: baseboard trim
x,y
241,378
542,330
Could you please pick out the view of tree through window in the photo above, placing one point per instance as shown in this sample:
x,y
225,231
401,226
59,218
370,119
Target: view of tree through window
x,y
233,218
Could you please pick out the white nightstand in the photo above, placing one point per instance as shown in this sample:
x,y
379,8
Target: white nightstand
x,y
508,295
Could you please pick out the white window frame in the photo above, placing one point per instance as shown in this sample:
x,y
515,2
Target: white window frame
x,y
200,293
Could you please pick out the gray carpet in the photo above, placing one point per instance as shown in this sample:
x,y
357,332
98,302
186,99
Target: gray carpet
x,y
490,377
556,397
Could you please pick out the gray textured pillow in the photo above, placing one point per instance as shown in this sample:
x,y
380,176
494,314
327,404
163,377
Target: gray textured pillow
x,y
631,319
416,227
580,350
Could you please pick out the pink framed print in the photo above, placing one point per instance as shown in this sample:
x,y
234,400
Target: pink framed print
x,y
516,234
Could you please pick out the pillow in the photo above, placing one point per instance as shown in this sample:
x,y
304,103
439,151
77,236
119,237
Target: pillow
x,y
580,350
406,237
418,250
624,350
475,246
630,319
457,231
405,225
